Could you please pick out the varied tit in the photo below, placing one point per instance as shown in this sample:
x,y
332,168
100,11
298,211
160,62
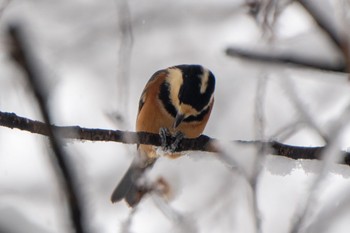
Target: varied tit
x,y
178,99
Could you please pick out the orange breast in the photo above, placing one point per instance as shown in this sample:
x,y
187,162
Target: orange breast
x,y
153,116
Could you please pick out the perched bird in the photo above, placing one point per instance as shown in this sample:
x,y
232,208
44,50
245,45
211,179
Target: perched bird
x,y
177,100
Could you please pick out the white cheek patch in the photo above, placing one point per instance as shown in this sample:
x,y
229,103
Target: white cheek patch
x,y
204,81
175,82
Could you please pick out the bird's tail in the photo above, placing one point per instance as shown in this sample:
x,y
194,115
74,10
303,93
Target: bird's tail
x,y
129,187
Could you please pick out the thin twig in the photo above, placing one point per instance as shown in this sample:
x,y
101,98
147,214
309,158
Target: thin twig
x,y
21,51
182,223
304,114
329,155
262,150
124,56
126,225
338,39
331,211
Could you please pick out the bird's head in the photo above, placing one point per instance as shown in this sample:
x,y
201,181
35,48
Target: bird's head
x,y
188,92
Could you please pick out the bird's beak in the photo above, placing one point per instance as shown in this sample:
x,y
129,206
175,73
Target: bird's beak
x,y
178,119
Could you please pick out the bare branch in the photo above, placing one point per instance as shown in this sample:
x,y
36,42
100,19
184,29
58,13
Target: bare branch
x,y
262,150
337,37
21,52
322,22
182,222
305,116
331,212
329,155
266,12
285,59
202,143
11,120
124,56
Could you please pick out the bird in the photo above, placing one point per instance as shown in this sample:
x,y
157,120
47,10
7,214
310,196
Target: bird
x,y
176,101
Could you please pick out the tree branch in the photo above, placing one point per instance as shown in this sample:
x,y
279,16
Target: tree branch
x,y
22,55
322,22
11,120
202,143
284,59
338,39
335,36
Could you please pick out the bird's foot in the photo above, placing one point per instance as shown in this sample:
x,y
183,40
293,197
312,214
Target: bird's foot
x,y
165,136
169,142
177,139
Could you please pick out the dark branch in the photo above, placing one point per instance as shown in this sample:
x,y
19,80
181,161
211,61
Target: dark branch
x,y
11,120
284,59
325,25
202,143
338,39
22,55
322,22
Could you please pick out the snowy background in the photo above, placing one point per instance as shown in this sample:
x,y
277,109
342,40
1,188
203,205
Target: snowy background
x,y
85,58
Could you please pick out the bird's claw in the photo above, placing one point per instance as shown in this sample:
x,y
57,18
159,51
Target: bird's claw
x,y
164,134
169,142
175,144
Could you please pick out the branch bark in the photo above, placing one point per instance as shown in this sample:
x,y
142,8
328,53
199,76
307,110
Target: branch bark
x,y
202,143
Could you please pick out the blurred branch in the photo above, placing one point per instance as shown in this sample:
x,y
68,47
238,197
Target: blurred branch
x,y
126,225
330,212
337,38
262,149
322,22
182,222
124,57
22,55
4,6
202,143
329,155
302,109
266,12
283,59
